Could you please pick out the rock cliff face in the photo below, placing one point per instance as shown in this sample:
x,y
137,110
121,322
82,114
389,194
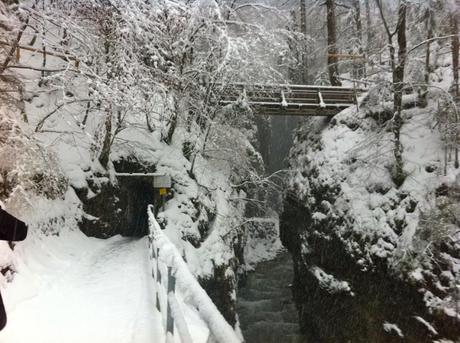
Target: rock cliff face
x,y
373,262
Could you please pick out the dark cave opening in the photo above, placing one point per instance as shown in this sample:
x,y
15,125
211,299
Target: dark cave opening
x,y
119,208
136,193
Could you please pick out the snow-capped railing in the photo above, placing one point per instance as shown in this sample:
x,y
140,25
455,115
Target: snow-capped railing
x,y
167,261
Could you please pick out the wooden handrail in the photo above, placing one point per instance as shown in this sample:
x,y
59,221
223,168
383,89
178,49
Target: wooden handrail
x,y
165,256
267,87
287,99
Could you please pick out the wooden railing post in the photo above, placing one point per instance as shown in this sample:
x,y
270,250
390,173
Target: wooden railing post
x,y
153,258
171,289
151,250
355,97
158,279
171,313
18,54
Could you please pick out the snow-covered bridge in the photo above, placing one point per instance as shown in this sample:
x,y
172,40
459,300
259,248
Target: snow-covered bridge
x,y
286,99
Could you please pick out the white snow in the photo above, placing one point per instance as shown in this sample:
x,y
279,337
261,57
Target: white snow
x,y
73,288
389,327
417,274
318,216
427,325
329,283
262,242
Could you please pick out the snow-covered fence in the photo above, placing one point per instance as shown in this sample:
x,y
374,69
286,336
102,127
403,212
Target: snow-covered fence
x,y
167,261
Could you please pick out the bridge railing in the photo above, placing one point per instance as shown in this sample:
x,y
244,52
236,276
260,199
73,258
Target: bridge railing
x,y
286,99
170,274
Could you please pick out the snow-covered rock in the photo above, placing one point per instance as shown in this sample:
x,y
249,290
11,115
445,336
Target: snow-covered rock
x,y
395,248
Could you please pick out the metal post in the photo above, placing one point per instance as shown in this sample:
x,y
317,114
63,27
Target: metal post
x,y
171,289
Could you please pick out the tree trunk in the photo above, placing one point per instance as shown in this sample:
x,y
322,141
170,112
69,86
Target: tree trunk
x,y
455,56
359,65
174,118
105,151
14,46
455,50
43,73
332,60
104,156
429,28
398,84
172,128
303,29
88,108
369,27
293,70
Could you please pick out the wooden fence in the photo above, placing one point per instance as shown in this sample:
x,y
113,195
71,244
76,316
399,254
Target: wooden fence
x,y
169,272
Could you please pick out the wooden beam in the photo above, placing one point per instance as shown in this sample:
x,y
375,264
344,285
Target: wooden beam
x,y
269,86
55,54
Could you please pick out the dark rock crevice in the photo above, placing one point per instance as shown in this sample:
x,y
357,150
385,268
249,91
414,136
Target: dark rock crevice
x,y
221,289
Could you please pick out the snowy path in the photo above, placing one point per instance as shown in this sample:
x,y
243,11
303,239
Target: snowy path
x,y
78,289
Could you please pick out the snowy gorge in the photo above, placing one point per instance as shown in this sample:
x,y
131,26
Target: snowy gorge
x,y
357,226
313,153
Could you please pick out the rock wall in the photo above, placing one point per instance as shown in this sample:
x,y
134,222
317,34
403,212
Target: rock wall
x,y
373,262
358,310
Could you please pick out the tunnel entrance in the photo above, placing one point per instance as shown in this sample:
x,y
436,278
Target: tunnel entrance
x,y
136,193
118,209
121,208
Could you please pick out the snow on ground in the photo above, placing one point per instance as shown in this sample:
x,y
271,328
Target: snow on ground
x,y
262,241
71,288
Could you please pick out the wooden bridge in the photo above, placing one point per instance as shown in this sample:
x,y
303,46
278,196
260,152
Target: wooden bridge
x,y
295,100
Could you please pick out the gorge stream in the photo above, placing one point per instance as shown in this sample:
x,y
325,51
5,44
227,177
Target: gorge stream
x,y
265,305
266,310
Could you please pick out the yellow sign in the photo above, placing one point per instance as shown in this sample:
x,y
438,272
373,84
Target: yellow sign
x,y
163,191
